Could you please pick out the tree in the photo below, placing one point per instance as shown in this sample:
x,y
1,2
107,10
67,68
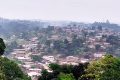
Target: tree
x,y
63,76
48,42
8,69
54,66
113,40
63,72
2,75
58,45
79,70
44,74
100,27
106,68
11,71
66,43
97,47
36,58
66,69
2,46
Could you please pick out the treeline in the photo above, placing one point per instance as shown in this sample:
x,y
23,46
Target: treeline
x,y
106,68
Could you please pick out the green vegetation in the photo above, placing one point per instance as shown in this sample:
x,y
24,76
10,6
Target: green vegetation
x,y
106,68
2,76
36,58
66,47
72,38
114,40
63,72
63,76
68,42
10,70
2,46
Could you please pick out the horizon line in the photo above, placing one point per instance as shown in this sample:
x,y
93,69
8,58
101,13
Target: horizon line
x,y
48,20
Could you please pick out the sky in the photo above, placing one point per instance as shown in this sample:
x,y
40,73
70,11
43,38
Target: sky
x,y
58,10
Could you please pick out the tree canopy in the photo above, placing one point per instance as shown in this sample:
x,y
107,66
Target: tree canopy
x,y
2,46
106,68
11,71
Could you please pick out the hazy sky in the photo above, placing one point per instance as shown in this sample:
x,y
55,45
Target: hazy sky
x,y
74,10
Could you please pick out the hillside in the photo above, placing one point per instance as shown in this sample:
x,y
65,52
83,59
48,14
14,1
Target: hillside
x,y
11,27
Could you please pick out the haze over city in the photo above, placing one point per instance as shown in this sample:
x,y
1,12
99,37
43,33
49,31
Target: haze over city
x,y
71,10
59,40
